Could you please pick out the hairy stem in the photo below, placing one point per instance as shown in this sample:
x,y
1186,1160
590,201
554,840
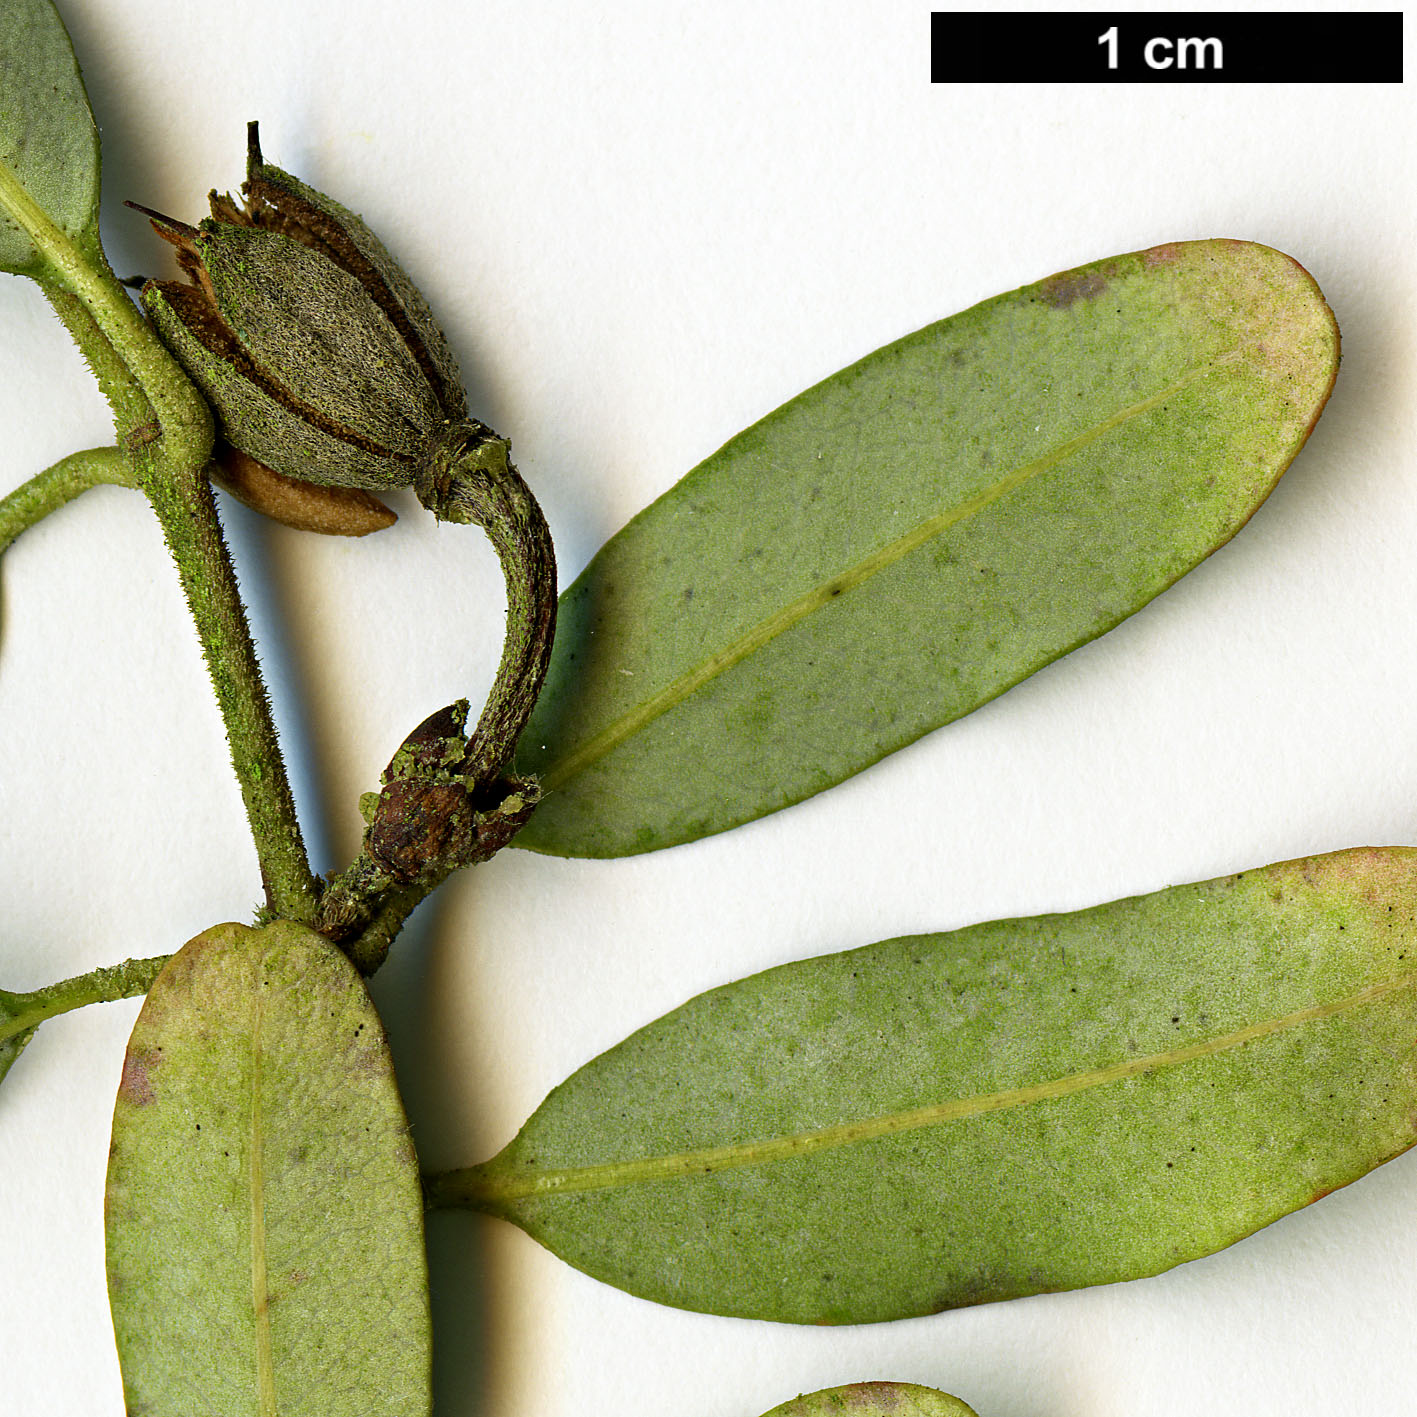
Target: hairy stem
x,y
188,518
133,416
21,1012
58,485
474,481
371,947
512,519
168,453
181,412
449,801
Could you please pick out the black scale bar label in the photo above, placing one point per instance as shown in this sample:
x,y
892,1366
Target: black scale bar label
x,y
1174,47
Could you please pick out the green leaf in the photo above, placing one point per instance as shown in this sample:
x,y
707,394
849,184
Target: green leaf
x,y
875,1400
13,1043
264,1216
18,1022
47,133
1018,1107
909,538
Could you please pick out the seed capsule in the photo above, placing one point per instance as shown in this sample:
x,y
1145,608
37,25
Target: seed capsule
x,y
320,358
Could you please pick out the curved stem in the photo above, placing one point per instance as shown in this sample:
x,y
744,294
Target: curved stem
x,y
58,485
449,802
518,532
473,480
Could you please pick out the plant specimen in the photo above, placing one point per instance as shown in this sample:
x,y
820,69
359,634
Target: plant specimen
x,y
880,556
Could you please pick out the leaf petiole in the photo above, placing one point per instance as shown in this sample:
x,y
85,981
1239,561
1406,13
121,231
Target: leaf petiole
x,y
58,485
21,1012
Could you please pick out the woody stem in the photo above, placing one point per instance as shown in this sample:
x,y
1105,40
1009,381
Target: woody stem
x,y
447,802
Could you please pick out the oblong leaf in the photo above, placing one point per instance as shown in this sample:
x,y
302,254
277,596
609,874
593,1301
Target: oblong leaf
x,y
1022,1106
47,134
909,538
264,1216
875,1400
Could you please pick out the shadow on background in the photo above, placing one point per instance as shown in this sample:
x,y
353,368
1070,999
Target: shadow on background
x,y
467,1324
475,1294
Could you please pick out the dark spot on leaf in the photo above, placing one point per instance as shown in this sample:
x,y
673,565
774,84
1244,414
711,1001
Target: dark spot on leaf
x,y
1161,255
136,1086
1062,290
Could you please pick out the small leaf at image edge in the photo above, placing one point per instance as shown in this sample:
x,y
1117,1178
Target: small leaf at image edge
x,y
875,1400
47,132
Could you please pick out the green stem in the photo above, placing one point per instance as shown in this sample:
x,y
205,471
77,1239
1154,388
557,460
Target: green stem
x,y
472,479
180,410
132,413
188,518
449,802
169,453
58,485
371,947
21,1012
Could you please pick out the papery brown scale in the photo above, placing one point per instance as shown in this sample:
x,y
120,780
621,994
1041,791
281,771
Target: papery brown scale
x,y
418,823
304,506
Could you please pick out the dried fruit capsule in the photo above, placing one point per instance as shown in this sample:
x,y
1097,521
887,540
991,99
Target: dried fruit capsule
x,y
330,381
319,356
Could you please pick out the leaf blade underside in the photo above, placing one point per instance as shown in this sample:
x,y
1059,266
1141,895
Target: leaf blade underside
x,y
909,538
264,1216
875,1400
47,133
1014,1108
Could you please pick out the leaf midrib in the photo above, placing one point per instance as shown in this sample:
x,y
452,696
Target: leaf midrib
x,y
483,1187
756,637
260,1285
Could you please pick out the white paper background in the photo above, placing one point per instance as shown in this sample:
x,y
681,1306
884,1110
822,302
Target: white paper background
x,y
643,225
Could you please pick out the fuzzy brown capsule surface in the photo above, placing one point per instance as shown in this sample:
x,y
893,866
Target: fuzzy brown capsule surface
x,y
319,356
